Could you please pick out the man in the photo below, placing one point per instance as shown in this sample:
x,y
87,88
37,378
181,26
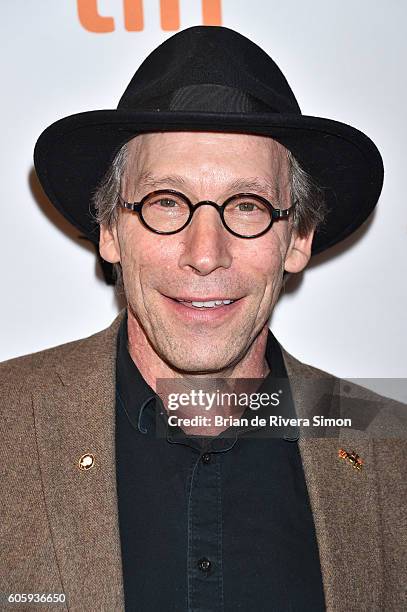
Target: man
x,y
203,190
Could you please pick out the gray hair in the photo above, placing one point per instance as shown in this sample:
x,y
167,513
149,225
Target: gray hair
x,y
311,209
105,203
309,212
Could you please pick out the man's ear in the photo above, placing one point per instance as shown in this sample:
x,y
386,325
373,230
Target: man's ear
x,y
109,244
299,252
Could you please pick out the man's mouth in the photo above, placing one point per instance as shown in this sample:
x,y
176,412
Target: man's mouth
x,y
206,304
211,309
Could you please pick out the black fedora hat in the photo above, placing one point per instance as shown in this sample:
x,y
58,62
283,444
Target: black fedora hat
x,y
211,78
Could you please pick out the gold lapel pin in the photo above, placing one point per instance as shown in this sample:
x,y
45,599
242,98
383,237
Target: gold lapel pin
x,y
352,457
87,461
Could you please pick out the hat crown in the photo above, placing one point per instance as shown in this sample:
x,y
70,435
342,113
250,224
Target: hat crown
x,y
209,69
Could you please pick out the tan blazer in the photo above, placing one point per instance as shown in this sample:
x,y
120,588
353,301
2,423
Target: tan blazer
x,y
59,529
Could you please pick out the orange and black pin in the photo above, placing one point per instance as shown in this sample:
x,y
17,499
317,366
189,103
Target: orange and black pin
x,y
352,457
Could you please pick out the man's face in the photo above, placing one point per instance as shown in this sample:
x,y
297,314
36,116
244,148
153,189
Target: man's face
x,y
203,262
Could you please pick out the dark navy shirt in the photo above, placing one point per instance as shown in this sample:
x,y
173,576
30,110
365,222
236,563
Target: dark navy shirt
x,y
210,524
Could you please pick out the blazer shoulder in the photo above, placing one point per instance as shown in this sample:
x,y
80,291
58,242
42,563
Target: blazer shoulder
x,y
19,372
295,367
298,368
386,414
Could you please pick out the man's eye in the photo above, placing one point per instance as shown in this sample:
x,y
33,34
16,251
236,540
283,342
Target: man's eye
x,y
166,203
247,206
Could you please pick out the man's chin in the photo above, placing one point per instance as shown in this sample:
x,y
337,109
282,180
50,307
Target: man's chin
x,y
204,359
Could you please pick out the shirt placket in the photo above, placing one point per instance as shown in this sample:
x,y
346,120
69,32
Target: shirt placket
x,y
204,562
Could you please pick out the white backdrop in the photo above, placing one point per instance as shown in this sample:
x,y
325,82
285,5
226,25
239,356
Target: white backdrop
x,y
344,59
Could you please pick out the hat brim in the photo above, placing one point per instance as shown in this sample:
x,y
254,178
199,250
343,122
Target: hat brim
x,y
72,155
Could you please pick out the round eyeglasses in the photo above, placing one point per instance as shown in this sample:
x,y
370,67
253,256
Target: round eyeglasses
x,y
245,215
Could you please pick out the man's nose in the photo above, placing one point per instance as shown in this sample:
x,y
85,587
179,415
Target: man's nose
x,y
206,242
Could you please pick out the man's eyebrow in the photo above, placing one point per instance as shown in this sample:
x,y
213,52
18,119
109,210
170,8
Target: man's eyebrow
x,y
261,186
147,179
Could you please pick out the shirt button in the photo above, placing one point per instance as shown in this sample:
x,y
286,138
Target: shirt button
x,y
206,458
204,564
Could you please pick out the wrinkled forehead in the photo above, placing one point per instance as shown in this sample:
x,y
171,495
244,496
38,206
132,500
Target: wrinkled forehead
x,y
206,158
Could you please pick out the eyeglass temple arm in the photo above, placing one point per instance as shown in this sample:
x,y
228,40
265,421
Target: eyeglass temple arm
x,y
135,206
281,214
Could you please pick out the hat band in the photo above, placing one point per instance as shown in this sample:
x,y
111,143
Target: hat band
x,y
204,98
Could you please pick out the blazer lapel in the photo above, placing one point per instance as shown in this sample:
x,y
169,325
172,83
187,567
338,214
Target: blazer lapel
x,y
344,500
74,416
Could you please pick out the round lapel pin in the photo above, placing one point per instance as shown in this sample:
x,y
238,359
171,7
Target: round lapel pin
x,y
87,461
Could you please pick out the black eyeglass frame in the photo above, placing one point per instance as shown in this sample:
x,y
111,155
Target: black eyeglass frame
x,y
276,213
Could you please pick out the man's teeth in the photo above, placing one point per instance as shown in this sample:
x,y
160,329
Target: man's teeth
x,y
210,304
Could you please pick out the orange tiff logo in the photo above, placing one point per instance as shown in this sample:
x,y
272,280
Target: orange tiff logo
x,y
92,21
